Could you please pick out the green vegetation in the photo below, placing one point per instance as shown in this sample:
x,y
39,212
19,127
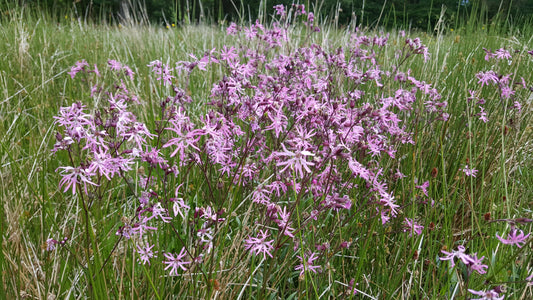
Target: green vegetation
x,y
36,54
421,14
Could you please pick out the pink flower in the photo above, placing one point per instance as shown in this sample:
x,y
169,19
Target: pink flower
x,y
460,253
229,55
114,65
153,157
103,163
502,54
80,66
487,295
476,265
418,48
145,253
507,92
259,244
139,228
184,142
261,195
515,237
358,169
488,54
471,261
411,226
210,214
284,222
180,207
162,70
296,161
175,262
388,200
423,187
469,172
73,176
483,115
95,71
50,244
126,231
336,202
279,121
280,9
159,212
307,264
75,120
128,72
137,132
486,78
517,105
232,29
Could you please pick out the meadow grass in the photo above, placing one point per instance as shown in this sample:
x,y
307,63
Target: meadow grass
x,y
385,262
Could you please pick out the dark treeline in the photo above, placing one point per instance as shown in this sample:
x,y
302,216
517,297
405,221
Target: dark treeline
x,y
421,14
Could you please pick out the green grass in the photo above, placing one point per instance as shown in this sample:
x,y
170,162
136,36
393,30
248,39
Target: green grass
x,y
35,56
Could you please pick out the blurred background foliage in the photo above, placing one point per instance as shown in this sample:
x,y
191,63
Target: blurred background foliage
x,y
407,14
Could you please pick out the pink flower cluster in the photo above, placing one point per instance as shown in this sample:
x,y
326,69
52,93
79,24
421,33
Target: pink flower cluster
x,y
300,135
285,127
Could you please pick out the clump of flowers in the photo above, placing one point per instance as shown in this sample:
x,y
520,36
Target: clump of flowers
x,y
297,136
